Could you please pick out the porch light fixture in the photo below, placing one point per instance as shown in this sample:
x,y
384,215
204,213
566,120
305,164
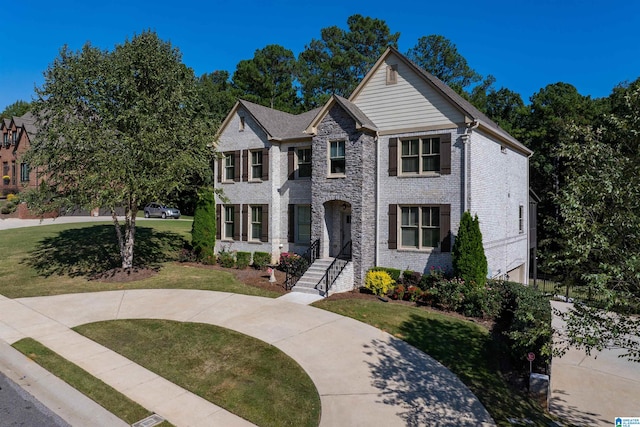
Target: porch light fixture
x,y
344,206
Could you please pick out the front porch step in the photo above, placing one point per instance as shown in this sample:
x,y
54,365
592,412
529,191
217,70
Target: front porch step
x,y
307,283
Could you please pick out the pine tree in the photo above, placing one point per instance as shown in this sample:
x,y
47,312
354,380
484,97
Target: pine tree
x,y
469,260
203,230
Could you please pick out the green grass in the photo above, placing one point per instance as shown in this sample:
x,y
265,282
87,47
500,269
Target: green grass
x,y
466,348
107,397
61,258
246,376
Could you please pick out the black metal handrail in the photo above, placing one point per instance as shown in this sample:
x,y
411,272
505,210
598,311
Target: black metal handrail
x,y
310,255
334,270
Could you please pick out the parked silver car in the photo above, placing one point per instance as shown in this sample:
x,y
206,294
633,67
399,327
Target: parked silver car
x,y
160,211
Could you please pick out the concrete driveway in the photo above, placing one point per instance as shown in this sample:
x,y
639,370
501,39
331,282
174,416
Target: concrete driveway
x,y
365,377
593,390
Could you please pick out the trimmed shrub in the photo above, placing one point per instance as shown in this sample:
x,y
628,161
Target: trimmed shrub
x,y
484,302
378,282
429,280
203,230
226,259
448,293
393,272
261,260
469,260
243,259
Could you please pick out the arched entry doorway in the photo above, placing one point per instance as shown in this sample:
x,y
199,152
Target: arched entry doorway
x,y
337,220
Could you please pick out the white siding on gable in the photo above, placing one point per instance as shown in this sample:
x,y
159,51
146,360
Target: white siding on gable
x,y
409,103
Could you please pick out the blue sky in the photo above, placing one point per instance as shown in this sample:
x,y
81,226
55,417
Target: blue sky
x,y
526,45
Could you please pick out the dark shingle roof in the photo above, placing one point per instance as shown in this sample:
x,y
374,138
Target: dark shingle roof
x,y
278,124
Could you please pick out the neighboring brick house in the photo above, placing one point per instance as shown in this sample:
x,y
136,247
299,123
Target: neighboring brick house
x,y
389,170
15,136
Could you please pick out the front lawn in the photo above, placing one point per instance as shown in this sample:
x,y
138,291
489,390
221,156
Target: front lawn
x,y
246,376
464,347
63,258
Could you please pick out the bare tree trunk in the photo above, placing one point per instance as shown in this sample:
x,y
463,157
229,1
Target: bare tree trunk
x,y
126,241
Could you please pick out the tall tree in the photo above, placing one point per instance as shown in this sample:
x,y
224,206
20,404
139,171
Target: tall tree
x,y
550,111
335,63
599,223
118,129
216,95
17,109
440,57
267,78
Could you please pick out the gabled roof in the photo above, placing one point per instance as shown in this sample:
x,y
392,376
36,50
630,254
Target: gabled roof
x,y
456,100
277,125
361,119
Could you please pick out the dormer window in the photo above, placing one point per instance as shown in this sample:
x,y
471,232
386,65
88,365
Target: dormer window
x,y
15,137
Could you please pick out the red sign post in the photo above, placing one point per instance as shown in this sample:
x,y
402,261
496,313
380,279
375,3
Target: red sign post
x,y
530,357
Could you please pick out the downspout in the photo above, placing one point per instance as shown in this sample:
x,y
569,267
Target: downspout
x,y
466,158
377,207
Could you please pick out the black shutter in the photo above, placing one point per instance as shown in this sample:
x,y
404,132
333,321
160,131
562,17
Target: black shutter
x,y
291,234
264,236
393,227
265,164
219,222
445,228
445,154
236,165
291,162
236,222
220,167
245,222
393,156
245,165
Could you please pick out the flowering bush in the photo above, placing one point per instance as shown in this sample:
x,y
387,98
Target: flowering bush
x,y
12,197
448,293
292,263
378,282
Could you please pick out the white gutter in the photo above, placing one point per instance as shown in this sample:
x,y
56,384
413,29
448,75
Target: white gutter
x,y
377,250
466,139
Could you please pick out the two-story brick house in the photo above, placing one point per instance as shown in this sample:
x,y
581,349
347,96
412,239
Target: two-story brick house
x,y
383,176
15,136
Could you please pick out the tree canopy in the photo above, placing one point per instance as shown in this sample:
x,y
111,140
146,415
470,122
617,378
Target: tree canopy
x,y
118,129
598,226
437,55
267,78
335,63
17,109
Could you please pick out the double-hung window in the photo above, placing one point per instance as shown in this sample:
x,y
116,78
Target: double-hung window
x,y
337,158
420,155
229,167
420,227
304,162
24,172
256,165
229,225
256,223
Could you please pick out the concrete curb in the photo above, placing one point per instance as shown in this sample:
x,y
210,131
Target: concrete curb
x,y
68,403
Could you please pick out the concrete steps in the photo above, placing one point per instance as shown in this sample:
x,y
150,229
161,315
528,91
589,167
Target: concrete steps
x,y
308,282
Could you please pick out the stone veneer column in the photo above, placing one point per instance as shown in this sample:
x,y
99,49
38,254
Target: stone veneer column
x,y
357,188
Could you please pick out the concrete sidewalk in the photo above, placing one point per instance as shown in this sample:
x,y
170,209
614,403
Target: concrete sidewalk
x,y
592,390
364,376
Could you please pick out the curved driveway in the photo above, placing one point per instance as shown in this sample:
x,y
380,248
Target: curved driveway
x,y
364,376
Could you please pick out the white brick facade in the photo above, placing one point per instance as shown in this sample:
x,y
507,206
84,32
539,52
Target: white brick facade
x,y
487,174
